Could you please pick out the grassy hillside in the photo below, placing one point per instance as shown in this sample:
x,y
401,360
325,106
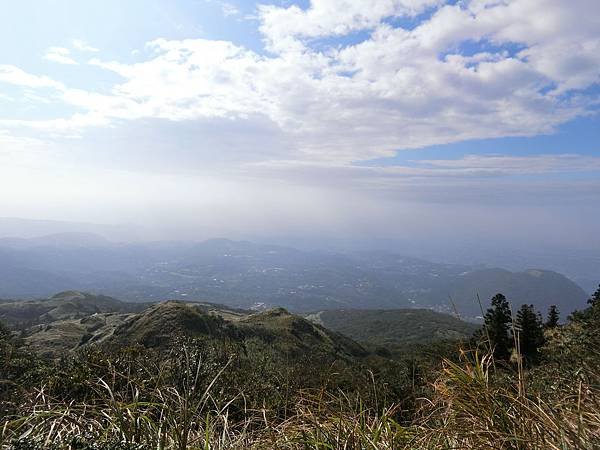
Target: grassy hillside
x,y
73,320
61,336
283,332
244,391
293,334
162,322
62,306
394,327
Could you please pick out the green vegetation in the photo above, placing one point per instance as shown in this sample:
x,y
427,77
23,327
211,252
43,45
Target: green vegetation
x,y
530,332
275,380
65,305
497,325
553,317
395,328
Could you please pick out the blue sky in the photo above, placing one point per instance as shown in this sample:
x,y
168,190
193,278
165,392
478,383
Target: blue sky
x,y
580,135
217,113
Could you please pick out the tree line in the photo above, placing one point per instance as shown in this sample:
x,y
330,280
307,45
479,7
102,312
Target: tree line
x,y
521,335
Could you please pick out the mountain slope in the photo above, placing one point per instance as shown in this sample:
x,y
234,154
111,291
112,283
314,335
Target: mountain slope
x,y
540,288
62,306
72,320
160,323
395,327
64,335
294,334
287,333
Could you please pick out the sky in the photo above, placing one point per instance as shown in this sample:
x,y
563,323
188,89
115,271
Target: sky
x,y
422,120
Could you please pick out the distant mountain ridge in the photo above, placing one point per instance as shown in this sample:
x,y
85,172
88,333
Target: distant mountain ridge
x,y
247,275
56,240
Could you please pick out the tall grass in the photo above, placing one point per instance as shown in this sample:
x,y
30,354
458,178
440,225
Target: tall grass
x,y
131,406
472,410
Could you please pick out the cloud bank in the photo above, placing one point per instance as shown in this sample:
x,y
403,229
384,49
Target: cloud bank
x,y
338,85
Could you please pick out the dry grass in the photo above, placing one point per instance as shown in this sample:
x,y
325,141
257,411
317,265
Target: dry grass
x,y
471,407
469,410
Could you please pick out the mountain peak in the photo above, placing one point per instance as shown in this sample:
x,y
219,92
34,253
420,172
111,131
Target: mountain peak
x,y
69,295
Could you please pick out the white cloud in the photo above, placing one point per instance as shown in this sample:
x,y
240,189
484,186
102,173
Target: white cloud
x,y
83,46
470,169
15,76
6,98
511,165
333,17
397,89
189,79
59,55
475,70
229,9
212,132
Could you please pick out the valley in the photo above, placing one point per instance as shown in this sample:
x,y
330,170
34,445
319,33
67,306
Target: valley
x,y
254,276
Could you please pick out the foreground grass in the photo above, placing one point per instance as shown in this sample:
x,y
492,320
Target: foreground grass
x,y
470,410
469,406
215,394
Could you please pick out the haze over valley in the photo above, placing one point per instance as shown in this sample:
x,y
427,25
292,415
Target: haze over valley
x,y
258,276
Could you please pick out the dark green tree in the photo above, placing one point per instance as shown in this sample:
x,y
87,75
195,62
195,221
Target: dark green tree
x,y
4,332
553,317
497,324
594,303
591,315
589,321
530,330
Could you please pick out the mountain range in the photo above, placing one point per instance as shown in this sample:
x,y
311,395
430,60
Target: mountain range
x,y
255,276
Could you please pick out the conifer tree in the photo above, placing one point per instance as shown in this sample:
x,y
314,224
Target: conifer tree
x,y
591,315
497,323
594,303
531,332
4,332
553,317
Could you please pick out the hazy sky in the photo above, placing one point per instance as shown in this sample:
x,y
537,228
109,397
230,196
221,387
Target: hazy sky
x,y
352,118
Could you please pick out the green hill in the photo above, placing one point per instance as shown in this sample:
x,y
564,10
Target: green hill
x,y
288,334
64,335
72,320
62,306
158,324
540,288
394,327
294,334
